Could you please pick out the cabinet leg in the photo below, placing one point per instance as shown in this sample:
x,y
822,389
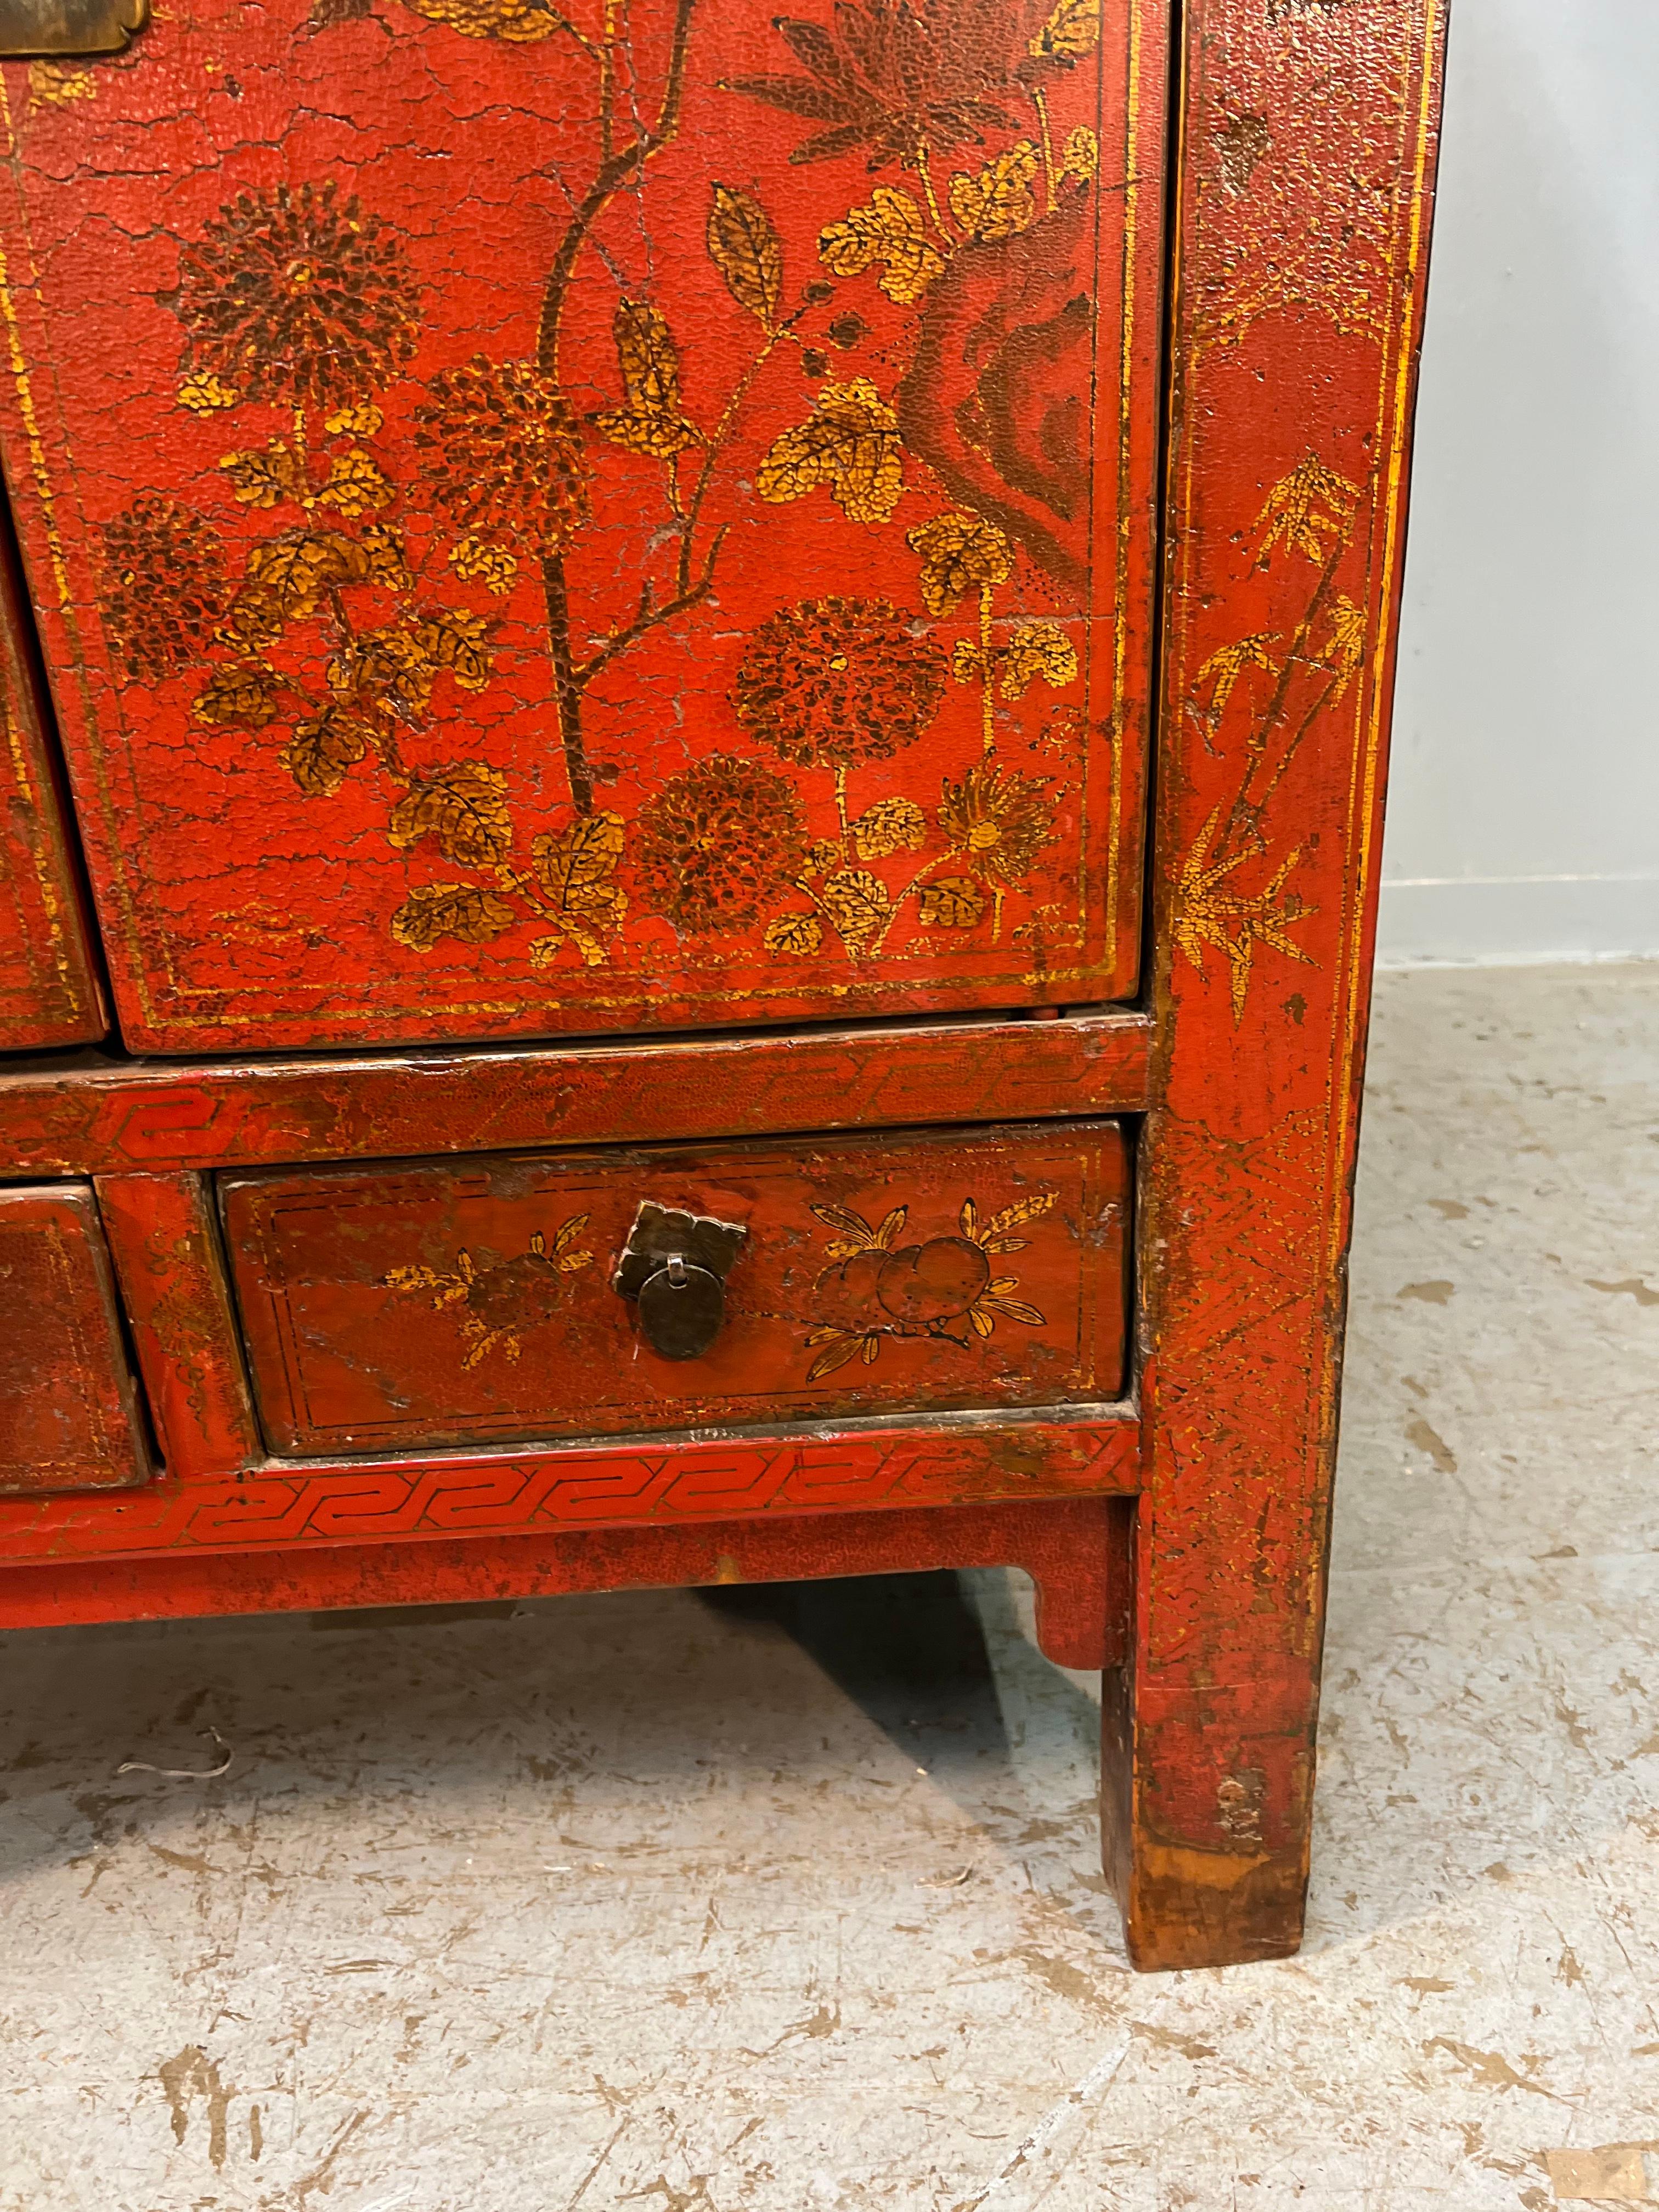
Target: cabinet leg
x,y
1266,847
1206,1800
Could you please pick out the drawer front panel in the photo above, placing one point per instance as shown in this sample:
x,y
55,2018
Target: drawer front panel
x,y
452,1305
663,538
67,1414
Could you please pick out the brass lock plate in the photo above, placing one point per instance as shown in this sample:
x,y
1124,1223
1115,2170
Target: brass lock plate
x,y
660,1231
32,30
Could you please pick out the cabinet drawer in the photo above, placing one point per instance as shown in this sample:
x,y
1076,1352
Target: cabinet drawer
x,y
67,1414
448,1304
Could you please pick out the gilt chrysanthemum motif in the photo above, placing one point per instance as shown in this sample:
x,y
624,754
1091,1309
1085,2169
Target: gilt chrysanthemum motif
x,y
998,820
717,844
298,296
164,591
832,682
502,447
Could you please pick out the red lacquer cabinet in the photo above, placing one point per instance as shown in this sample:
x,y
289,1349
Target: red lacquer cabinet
x,y
720,682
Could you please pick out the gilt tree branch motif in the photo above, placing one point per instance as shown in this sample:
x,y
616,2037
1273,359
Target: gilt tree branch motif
x,y
303,302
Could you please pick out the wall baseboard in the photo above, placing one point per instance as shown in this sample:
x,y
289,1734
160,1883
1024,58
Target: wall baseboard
x,y
1511,921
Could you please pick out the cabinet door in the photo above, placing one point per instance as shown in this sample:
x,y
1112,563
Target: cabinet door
x,y
49,993
634,516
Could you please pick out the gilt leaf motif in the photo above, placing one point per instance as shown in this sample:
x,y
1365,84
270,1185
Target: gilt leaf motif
x,y
889,233
651,423
745,247
463,807
438,911
850,445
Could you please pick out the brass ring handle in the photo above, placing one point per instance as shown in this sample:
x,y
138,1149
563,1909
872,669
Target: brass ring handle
x,y
681,1308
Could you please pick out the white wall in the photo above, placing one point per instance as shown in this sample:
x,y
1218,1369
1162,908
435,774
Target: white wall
x,y
1524,809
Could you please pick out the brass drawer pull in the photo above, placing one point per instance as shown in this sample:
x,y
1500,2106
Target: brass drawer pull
x,y
680,1308
674,1267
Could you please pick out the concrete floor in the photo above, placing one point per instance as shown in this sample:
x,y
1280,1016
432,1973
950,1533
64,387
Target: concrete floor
x,y
772,1903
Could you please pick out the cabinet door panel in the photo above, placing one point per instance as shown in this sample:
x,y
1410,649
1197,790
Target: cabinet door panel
x,y
636,517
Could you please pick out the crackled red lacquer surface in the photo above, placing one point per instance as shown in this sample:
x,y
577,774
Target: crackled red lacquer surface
x,y
547,523
106,1117
818,1474
450,1303
1075,1549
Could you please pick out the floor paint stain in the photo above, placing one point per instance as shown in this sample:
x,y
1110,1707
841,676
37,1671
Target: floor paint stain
x,y
1488,2069
1166,2039
1430,1440
1613,2173
192,2074
1573,1724
1643,1293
